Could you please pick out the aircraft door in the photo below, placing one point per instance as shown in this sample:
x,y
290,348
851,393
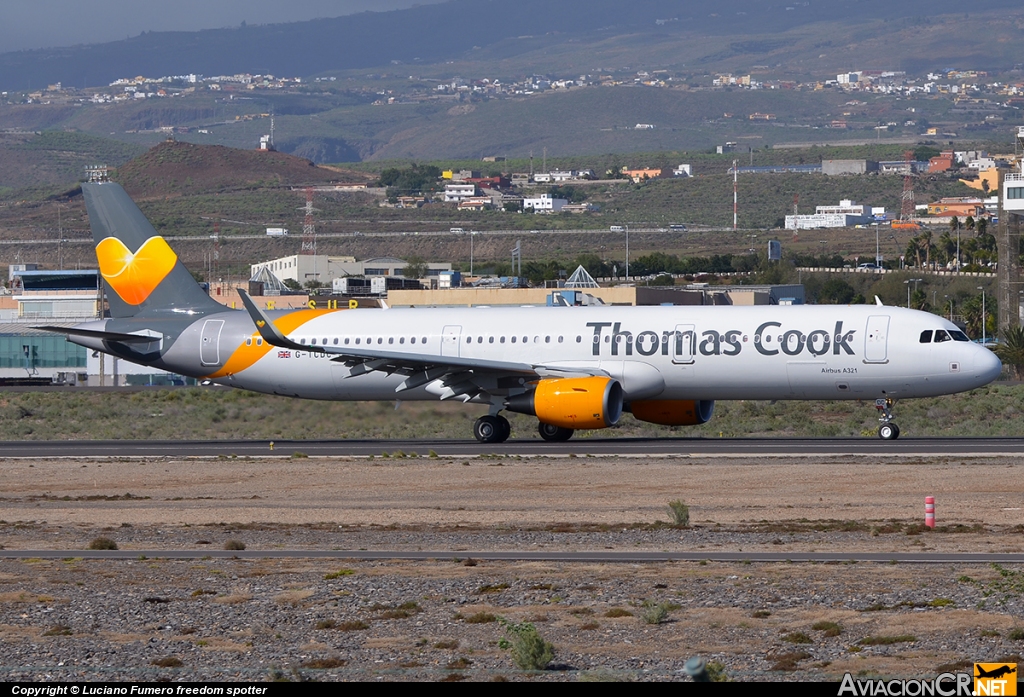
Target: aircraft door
x,y
876,339
451,341
209,346
684,343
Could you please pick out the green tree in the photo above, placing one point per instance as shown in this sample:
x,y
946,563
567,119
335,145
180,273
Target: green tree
x,y
1011,351
836,291
415,267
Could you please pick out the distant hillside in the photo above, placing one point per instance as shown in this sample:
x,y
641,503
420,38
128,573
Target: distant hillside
x,y
175,168
462,29
56,158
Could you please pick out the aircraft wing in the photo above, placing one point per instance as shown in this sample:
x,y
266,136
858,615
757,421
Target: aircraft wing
x,y
464,376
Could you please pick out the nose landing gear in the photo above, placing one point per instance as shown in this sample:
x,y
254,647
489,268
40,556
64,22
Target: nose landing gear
x,y
888,430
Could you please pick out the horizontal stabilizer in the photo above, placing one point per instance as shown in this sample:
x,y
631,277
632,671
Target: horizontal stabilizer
x,y
102,336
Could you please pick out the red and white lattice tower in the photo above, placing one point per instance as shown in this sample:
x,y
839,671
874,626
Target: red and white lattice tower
x,y
907,210
308,228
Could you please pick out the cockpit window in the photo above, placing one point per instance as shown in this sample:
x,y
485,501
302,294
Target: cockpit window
x,y
926,336
959,336
941,335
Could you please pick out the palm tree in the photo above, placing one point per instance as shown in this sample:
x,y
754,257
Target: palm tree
x,y
1011,351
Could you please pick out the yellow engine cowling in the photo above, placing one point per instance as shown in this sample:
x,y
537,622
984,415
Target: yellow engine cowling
x,y
593,402
673,412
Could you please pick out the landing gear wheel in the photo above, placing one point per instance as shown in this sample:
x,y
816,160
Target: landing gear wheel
x,y
554,434
889,431
491,429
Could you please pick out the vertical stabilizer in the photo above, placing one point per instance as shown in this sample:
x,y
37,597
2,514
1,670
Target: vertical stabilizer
x,y
141,272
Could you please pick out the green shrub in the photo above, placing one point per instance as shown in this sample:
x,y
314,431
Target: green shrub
x,y
797,638
234,545
618,612
654,613
680,513
830,628
104,543
529,650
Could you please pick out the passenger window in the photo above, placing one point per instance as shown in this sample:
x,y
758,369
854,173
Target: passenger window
x,y
579,339
490,340
412,340
248,342
335,341
325,341
547,340
513,340
391,340
259,342
502,340
559,339
346,340
479,340
401,340
380,340
941,335
926,336
357,341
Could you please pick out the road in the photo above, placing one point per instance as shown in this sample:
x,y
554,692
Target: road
x,y
592,557
658,447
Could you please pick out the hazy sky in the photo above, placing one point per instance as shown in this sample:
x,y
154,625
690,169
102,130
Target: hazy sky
x,y
47,23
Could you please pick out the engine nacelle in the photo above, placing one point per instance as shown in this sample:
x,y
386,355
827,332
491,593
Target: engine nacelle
x,y
593,402
674,412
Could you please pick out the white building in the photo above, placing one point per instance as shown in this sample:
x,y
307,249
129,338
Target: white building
x,y
454,193
544,203
847,206
683,171
846,214
303,268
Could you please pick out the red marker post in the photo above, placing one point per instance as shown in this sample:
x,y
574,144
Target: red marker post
x,y
929,511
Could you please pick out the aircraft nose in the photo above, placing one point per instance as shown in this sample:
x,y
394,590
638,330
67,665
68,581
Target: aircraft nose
x,y
987,365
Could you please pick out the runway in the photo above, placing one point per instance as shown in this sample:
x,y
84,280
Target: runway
x,y
623,447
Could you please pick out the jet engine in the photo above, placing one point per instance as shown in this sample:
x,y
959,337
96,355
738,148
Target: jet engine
x,y
674,412
594,402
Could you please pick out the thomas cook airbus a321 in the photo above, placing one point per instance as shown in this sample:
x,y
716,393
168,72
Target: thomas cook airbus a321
x,y
571,367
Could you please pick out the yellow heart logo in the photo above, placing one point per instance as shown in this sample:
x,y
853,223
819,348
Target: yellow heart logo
x,y
134,276
260,323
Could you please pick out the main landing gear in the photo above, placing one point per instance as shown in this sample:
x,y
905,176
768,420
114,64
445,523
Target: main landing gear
x,y
495,428
492,428
554,434
888,430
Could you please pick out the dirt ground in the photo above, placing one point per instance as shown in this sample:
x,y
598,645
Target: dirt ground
x,y
504,492
234,619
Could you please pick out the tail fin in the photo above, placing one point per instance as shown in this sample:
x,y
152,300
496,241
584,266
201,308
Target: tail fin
x,y
142,273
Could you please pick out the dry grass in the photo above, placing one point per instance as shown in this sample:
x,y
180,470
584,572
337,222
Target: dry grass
x,y
293,597
233,598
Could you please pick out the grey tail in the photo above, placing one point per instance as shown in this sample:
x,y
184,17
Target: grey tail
x,y
141,273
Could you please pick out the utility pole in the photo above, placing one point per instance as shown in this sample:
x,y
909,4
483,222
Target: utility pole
x,y
627,254
735,199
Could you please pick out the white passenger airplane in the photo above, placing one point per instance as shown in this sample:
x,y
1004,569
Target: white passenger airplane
x,y
571,367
